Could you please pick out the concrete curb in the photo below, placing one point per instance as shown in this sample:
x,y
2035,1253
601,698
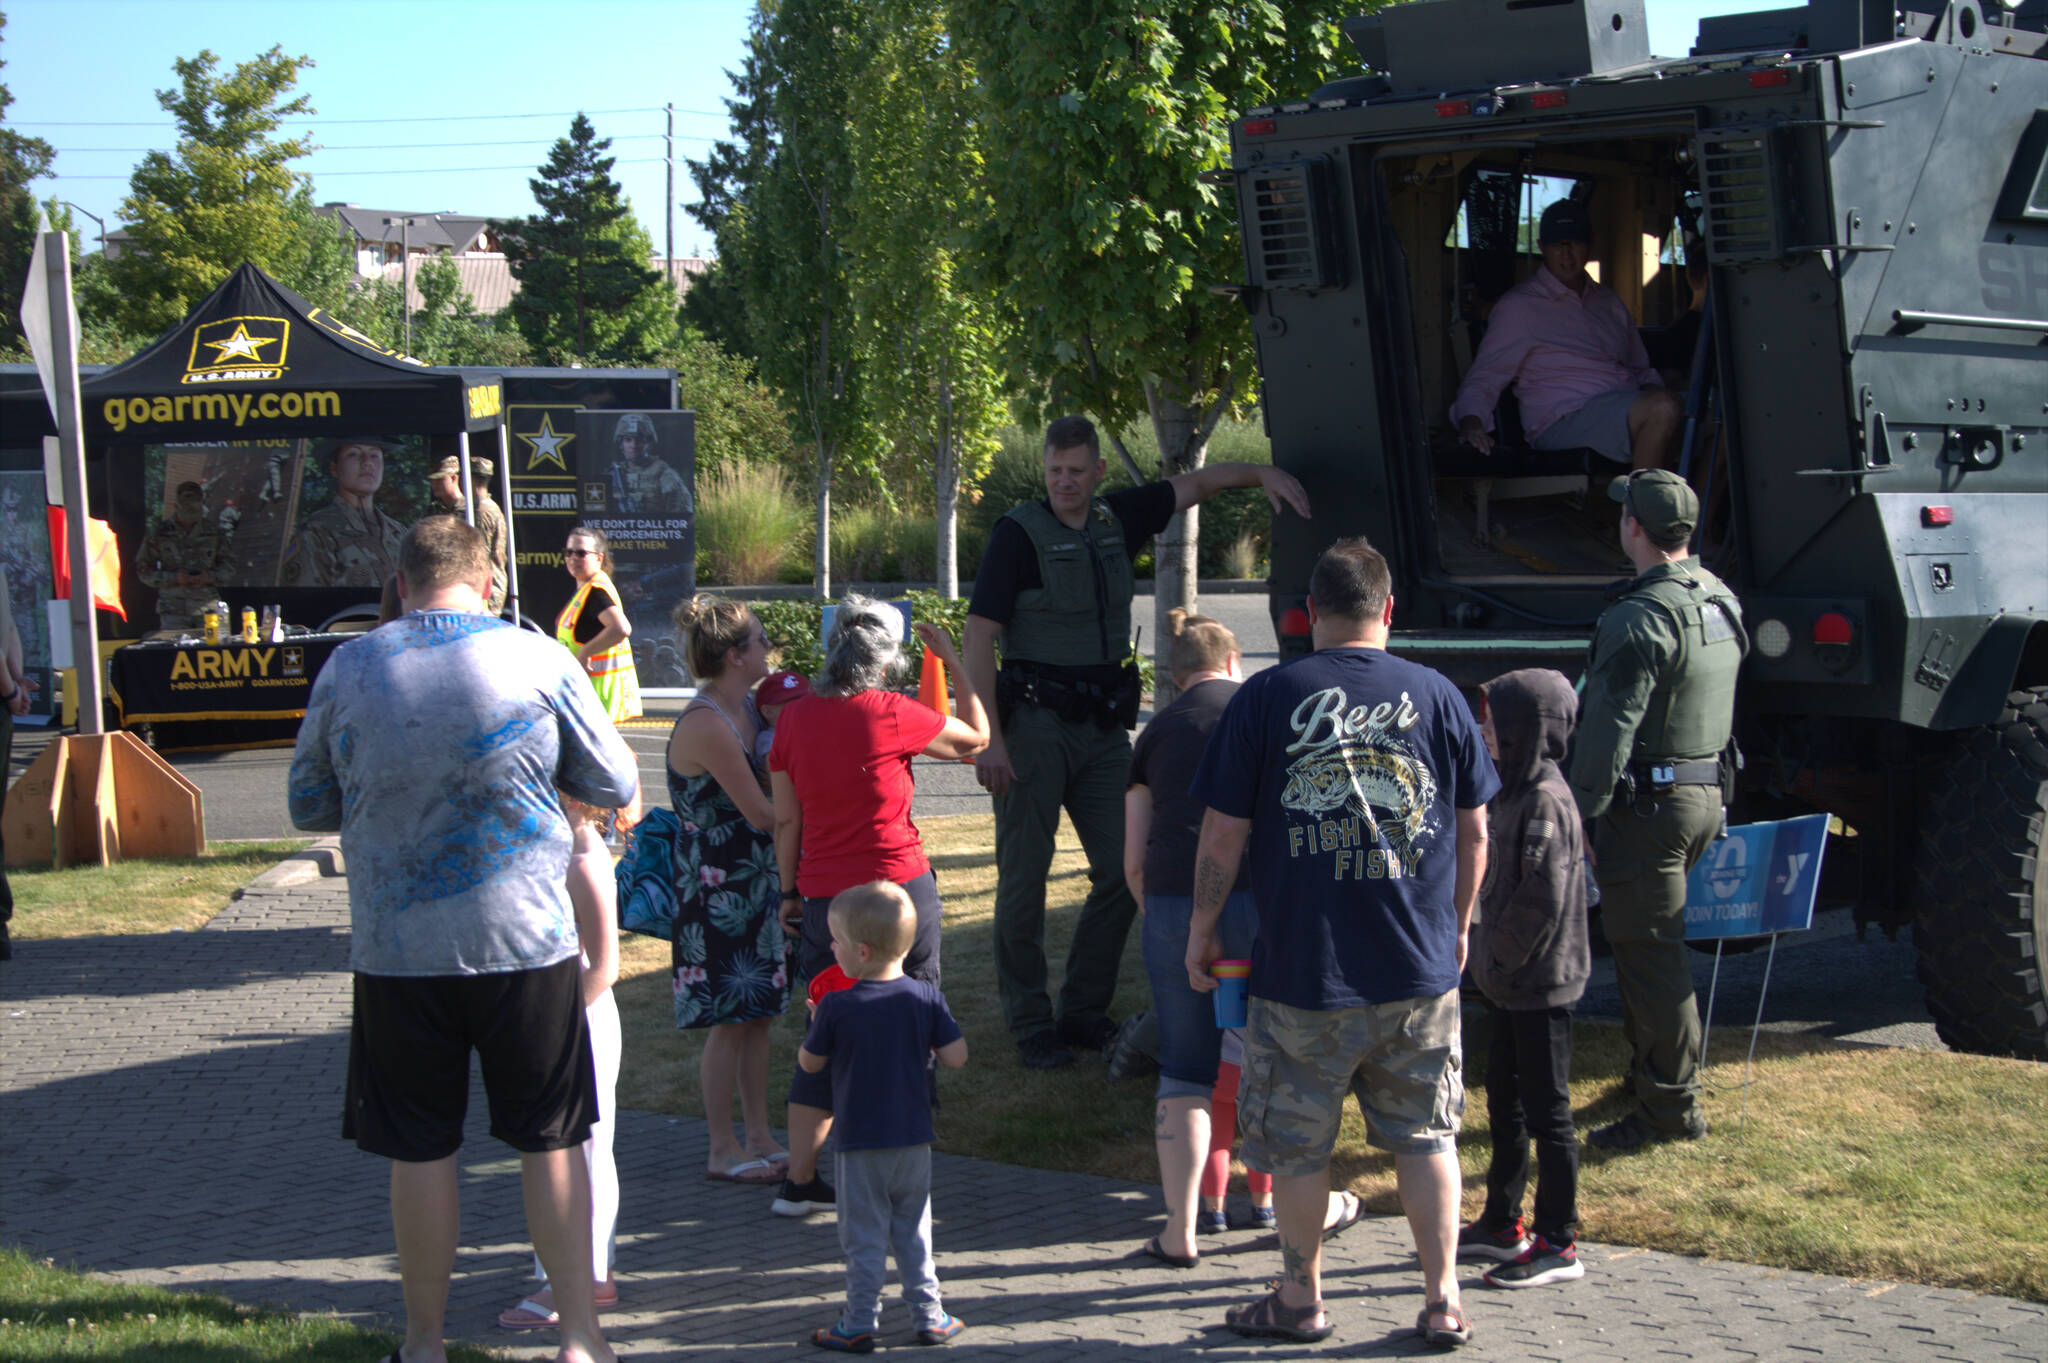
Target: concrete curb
x,y
316,861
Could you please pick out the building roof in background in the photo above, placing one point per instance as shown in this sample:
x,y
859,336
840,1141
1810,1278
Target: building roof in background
x,y
456,232
487,277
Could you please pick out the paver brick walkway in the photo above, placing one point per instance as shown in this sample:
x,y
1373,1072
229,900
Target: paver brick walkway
x,y
171,1109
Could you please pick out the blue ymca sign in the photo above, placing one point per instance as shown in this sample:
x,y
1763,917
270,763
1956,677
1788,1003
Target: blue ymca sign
x,y
1760,879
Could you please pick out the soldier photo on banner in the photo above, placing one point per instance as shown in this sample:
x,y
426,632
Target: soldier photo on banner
x,y
636,481
25,553
358,494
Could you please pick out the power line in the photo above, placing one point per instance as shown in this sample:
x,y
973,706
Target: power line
x,y
345,122
400,146
423,170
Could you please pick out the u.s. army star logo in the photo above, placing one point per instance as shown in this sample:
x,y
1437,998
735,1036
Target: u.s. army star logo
x,y
548,444
253,346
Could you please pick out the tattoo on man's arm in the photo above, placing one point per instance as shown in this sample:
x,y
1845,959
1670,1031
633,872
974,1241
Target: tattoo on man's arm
x,y
1212,881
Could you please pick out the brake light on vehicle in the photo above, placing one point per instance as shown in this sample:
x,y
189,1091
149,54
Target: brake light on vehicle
x,y
1547,99
1937,515
1833,628
1294,620
1259,127
1453,108
1764,79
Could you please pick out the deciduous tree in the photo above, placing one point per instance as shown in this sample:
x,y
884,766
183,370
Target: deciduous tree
x,y
782,236
225,194
930,345
22,159
1100,117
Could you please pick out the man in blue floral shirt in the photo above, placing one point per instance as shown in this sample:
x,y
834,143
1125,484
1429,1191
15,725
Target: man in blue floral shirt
x,y
436,745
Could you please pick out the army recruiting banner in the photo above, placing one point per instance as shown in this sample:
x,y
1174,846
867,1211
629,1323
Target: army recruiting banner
x,y
1760,879
636,476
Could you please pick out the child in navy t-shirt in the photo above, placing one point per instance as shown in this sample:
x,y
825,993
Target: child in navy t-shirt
x,y
875,1037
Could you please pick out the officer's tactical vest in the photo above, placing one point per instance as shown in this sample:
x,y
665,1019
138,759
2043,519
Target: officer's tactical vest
x,y
1081,616
1692,711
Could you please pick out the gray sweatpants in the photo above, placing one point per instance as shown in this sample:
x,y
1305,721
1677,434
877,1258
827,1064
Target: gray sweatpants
x,y
885,1203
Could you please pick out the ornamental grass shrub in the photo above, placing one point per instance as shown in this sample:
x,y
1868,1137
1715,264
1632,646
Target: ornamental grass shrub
x,y
750,525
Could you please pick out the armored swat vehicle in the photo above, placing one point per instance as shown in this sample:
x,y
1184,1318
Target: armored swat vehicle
x,y
1832,225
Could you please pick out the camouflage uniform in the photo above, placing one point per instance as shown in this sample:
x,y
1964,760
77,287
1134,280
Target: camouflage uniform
x,y
340,546
649,487
490,523
172,549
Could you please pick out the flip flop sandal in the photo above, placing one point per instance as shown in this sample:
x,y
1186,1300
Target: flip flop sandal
x,y
1444,1339
769,1173
1152,1249
1346,1221
529,1315
1271,1318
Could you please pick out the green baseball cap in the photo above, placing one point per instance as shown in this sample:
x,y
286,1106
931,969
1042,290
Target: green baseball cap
x,y
1661,502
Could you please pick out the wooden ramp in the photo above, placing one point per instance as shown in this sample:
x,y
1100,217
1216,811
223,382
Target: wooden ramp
x,y
100,798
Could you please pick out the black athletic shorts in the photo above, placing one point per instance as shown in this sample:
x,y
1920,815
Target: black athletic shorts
x,y
408,1061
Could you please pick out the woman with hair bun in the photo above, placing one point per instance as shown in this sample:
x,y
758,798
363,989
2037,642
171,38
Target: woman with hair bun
x,y
840,769
729,967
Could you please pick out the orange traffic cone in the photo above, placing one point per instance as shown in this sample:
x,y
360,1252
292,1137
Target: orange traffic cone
x,y
931,685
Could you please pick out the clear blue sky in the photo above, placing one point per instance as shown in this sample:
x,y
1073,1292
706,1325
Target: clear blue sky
x,y
426,105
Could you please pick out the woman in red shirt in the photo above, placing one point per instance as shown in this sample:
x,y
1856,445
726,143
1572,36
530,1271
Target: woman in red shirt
x,y
840,771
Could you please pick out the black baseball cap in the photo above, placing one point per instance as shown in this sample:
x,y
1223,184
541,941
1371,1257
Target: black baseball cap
x,y
1565,220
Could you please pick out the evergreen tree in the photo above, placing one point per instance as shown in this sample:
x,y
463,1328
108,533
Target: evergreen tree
x,y
22,159
585,291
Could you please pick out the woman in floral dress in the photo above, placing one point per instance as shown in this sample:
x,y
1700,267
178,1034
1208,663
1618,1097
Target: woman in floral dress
x,y
729,961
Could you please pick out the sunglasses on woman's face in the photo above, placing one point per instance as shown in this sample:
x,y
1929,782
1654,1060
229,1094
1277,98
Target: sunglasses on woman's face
x,y
579,553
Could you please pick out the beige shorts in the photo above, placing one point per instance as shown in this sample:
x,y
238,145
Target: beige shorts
x,y
1403,1061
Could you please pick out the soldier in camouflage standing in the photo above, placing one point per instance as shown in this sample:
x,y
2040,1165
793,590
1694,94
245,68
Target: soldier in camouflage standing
x,y
350,542
445,482
643,483
186,558
1654,725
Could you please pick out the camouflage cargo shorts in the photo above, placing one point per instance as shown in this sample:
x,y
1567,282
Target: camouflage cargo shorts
x,y
1403,1060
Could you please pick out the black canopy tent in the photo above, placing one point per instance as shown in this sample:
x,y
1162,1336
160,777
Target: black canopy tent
x,y
253,361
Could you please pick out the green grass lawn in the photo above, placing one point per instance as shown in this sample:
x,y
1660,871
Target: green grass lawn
x,y
138,896
48,1312
1861,1161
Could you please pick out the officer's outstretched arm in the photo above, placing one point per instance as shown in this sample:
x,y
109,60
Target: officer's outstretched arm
x,y
1282,487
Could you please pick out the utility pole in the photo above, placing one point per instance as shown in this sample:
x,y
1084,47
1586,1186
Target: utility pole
x,y
668,157
404,226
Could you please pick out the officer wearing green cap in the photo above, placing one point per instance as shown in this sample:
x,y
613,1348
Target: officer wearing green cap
x,y
1654,726
445,483
186,558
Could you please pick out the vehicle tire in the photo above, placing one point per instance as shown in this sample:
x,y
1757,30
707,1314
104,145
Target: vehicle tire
x,y
1981,921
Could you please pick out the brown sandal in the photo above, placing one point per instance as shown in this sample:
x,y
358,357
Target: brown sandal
x,y
1271,1318
1444,1339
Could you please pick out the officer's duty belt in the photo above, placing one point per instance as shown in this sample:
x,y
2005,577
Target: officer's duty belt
x,y
1703,771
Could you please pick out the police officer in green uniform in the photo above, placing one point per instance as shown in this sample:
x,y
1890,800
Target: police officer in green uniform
x,y
186,559
1055,587
445,483
1648,769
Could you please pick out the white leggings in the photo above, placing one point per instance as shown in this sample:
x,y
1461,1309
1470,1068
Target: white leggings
x,y
605,1048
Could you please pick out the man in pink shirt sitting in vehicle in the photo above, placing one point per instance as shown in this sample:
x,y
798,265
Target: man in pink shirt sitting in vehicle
x,y
1572,351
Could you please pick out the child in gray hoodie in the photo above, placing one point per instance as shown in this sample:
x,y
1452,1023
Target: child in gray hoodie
x,y
1529,956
